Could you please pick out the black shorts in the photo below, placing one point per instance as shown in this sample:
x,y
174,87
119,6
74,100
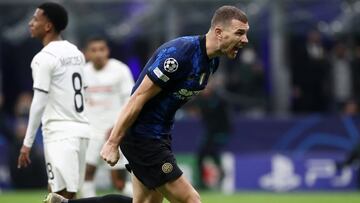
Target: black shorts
x,y
151,160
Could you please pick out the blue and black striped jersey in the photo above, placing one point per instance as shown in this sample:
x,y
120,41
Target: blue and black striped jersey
x,y
181,68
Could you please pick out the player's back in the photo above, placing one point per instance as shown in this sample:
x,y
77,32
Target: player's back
x,y
64,64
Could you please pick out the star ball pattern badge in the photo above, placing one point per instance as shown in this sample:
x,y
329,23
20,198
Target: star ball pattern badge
x,y
171,65
167,167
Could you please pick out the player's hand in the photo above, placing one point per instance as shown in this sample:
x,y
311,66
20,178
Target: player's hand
x,y
24,157
110,153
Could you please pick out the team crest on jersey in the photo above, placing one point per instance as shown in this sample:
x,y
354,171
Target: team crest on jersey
x,y
171,65
167,167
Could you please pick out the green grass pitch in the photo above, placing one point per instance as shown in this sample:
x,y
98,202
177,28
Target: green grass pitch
x,y
214,197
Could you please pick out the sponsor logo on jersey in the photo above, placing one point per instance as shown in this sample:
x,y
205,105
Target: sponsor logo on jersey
x,y
185,94
167,167
171,65
104,88
161,75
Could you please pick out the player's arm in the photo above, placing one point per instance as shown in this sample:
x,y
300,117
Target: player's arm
x,y
144,92
41,65
130,112
37,108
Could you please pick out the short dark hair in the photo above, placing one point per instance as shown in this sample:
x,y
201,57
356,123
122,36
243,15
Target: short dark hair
x,y
57,15
92,39
225,14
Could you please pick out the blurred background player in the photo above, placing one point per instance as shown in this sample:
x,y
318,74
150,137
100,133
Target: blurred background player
x,y
214,112
109,86
58,100
352,159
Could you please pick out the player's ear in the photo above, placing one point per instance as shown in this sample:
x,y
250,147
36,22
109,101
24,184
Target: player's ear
x,y
218,32
48,26
107,50
87,54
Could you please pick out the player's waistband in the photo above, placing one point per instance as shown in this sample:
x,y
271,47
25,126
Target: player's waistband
x,y
150,135
63,129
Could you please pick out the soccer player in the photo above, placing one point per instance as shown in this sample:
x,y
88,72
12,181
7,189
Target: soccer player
x,y
178,70
58,103
109,83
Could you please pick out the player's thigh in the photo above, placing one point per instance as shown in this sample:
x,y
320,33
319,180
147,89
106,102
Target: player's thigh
x,y
63,166
141,194
82,148
90,172
53,167
179,190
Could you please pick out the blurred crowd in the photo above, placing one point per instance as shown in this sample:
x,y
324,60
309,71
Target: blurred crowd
x,y
12,132
325,78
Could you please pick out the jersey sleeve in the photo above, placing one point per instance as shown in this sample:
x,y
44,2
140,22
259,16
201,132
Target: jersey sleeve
x,y
42,66
167,67
85,75
127,82
85,79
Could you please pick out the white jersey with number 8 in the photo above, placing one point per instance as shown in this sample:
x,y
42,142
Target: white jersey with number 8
x,y
58,70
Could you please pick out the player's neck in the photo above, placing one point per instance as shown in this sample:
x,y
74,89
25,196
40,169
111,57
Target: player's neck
x,y
212,49
100,66
51,37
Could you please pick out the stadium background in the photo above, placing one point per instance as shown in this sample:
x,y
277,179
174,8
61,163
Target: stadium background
x,y
293,93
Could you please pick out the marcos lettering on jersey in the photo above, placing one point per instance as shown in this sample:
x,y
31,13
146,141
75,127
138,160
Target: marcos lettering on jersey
x,y
71,61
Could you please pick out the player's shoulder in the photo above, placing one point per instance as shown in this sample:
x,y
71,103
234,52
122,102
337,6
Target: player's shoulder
x,y
58,48
185,42
44,57
117,65
89,66
181,47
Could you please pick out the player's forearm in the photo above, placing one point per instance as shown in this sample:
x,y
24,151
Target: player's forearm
x,y
37,108
126,119
143,94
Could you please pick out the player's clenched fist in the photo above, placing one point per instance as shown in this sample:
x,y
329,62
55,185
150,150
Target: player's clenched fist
x,y
110,153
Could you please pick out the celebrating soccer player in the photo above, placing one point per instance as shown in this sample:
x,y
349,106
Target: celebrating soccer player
x,y
177,71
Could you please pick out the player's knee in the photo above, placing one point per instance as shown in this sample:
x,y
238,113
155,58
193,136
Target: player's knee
x,y
119,184
67,195
118,179
90,172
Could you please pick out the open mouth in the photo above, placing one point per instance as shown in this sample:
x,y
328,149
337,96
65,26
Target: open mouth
x,y
236,48
239,46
